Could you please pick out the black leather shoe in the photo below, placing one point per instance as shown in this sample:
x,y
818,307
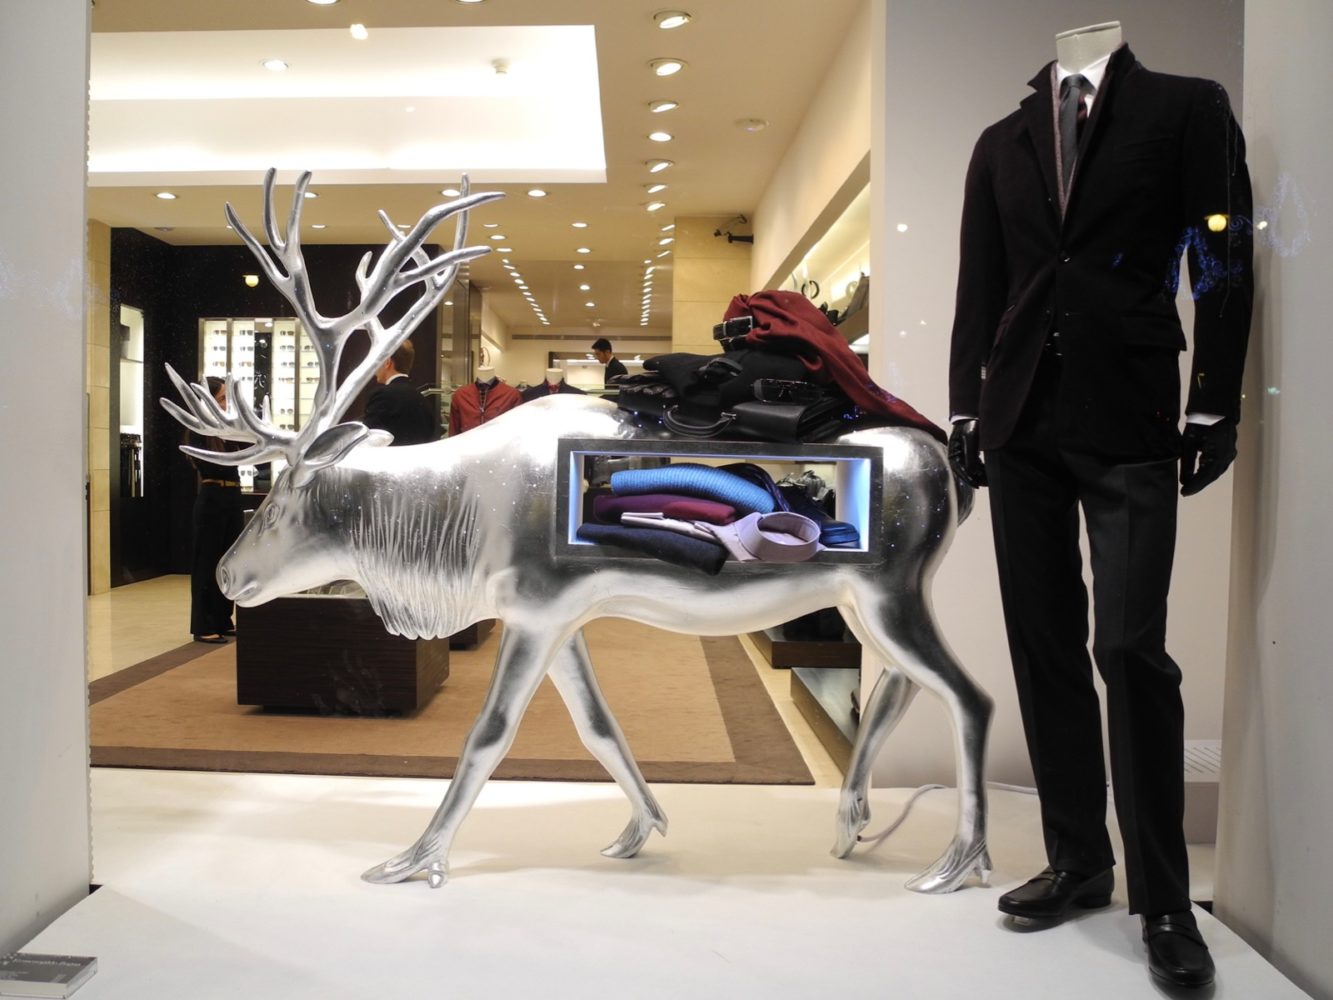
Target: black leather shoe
x,y
1177,954
216,640
1051,894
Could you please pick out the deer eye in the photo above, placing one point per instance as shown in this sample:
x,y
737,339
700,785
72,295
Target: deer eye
x,y
271,515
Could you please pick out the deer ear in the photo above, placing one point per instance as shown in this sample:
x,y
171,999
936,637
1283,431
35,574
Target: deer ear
x,y
328,449
378,439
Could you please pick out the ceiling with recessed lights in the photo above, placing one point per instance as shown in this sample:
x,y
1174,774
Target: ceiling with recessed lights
x,y
550,101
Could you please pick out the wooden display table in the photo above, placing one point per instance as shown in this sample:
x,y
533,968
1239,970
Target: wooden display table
x,y
332,655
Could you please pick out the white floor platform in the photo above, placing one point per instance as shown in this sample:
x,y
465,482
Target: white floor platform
x,y
227,886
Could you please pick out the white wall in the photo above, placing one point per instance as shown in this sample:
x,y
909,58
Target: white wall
x,y
828,150
44,852
944,70
1273,883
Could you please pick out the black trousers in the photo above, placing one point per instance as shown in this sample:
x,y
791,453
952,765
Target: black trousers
x,y
217,523
1036,488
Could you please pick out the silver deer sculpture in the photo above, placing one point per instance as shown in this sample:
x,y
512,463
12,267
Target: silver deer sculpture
x,y
446,534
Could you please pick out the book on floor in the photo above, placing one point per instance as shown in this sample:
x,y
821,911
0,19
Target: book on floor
x,y
26,974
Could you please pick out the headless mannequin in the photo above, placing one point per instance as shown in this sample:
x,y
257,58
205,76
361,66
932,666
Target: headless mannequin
x,y
1038,478
554,376
1079,48
484,399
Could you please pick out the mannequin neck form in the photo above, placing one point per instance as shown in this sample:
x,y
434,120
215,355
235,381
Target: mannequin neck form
x,y
485,374
1081,47
554,376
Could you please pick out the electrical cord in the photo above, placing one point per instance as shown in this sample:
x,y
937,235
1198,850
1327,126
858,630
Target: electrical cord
x,y
874,840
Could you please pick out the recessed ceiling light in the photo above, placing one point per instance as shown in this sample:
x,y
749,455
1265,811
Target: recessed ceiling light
x,y
660,136
491,225
322,3
901,227
578,267
312,194
751,124
653,206
359,32
579,225
409,109
497,236
590,305
536,193
657,107
657,166
668,19
505,249
452,193
471,1
166,196
668,227
585,288
655,188
583,250
274,65
666,67
665,241
663,253
318,225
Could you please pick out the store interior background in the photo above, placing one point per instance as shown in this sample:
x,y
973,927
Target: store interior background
x,y
890,108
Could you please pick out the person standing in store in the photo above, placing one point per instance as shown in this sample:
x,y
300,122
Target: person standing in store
x,y
397,406
216,524
601,350
1064,372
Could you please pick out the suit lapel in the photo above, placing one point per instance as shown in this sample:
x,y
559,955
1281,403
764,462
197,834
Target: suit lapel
x,y
1121,64
1039,120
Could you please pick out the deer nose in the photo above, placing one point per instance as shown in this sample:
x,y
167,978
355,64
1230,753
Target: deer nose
x,y
224,580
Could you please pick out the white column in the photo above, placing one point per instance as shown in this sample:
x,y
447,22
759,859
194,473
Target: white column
x,y
1273,882
44,840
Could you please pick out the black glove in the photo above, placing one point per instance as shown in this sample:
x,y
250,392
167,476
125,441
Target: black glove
x,y
965,455
1212,446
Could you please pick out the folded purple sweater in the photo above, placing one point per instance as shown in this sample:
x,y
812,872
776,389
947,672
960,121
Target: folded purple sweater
x,y
608,508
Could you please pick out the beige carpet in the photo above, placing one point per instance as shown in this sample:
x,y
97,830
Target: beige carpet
x,y
693,710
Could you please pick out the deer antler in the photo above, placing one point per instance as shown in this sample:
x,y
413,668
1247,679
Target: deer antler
x,y
403,263
238,422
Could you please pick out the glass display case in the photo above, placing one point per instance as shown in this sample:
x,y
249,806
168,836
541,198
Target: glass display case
x,y
269,359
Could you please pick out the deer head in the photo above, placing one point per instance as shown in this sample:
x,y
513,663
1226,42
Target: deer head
x,y
322,441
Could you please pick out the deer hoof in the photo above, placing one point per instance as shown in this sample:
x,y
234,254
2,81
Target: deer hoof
x,y
953,869
853,815
635,835
403,866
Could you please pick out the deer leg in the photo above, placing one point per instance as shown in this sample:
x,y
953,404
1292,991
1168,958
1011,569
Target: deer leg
x,y
520,664
889,699
903,630
572,674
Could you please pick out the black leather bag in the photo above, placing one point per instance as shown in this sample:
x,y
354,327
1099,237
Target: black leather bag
x,y
757,420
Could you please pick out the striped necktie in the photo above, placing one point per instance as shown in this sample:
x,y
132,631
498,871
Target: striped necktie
x,y
1073,113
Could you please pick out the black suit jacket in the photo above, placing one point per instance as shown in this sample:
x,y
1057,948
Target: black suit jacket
x,y
614,367
1160,157
543,389
399,408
